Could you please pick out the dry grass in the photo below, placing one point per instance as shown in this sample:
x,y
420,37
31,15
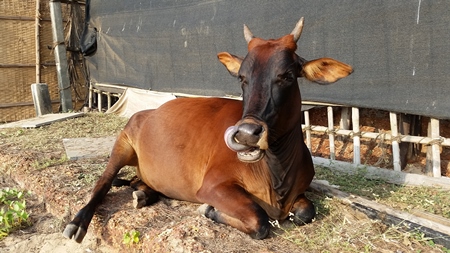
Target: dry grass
x,y
337,228
407,198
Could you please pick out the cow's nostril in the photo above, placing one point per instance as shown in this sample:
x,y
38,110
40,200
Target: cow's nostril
x,y
249,134
258,130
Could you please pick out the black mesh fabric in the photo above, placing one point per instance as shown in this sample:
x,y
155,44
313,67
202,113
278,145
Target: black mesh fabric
x,y
399,49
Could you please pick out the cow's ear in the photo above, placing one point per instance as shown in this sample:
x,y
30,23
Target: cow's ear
x,y
325,70
231,62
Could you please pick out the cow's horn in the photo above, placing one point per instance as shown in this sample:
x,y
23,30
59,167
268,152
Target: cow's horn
x,y
298,29
247,34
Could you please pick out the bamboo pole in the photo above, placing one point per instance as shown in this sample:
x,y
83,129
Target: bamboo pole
x,y
435,150
108,95
356,136
17,18
308,130
331,132
37,33
99,101
12,105
91,93
395,144
18,65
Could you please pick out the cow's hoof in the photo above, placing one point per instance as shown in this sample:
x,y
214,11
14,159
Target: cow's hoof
x,y
70,230
262,232
204,209
304,216
139,199
74,231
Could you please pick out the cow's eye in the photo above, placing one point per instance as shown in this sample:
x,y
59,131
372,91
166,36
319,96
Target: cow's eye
x,y
288,76
285,78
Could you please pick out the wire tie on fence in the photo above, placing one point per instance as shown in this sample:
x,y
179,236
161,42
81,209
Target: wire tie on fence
x,y
435,141
397,138
331,131
354,134
307,128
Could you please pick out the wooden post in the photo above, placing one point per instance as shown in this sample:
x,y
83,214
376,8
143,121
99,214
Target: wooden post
x,y
433,161
91,93
308,130
37,34
356,136
99,101
62,68
331,132
395,143
108,94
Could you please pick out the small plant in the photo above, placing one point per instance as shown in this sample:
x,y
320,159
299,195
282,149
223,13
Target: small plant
x,y
132,237
13,211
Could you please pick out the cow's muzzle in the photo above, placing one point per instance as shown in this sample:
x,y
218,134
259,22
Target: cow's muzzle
x,y
248,138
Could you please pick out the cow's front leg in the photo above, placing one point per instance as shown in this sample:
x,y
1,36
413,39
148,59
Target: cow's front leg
x,y
77,228
121,155
303,210
231,205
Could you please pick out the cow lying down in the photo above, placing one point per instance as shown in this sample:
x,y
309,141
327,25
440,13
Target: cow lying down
x,y
245,160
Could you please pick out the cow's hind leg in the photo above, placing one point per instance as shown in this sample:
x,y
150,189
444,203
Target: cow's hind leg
x,y
303,210
121,155
118,182
232,205
143,195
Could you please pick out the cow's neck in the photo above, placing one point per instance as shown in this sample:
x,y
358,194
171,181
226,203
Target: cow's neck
x,y
282,160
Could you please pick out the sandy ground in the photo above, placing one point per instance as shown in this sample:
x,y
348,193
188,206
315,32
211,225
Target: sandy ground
x,y
44,235
51,243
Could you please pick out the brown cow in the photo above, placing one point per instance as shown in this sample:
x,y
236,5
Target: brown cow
x,y
179,151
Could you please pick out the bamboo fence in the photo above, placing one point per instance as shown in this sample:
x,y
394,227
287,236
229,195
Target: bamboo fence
x,y
434,142
26,46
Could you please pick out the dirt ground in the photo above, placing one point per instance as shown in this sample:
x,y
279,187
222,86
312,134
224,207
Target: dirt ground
x,y
168,226
44,236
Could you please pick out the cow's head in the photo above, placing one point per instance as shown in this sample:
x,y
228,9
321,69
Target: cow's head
x,y
271,96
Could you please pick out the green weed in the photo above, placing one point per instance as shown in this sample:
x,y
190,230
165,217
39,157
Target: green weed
x,y
130,238
13,212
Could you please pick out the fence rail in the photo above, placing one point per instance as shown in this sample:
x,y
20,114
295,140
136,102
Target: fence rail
x,y
434,141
